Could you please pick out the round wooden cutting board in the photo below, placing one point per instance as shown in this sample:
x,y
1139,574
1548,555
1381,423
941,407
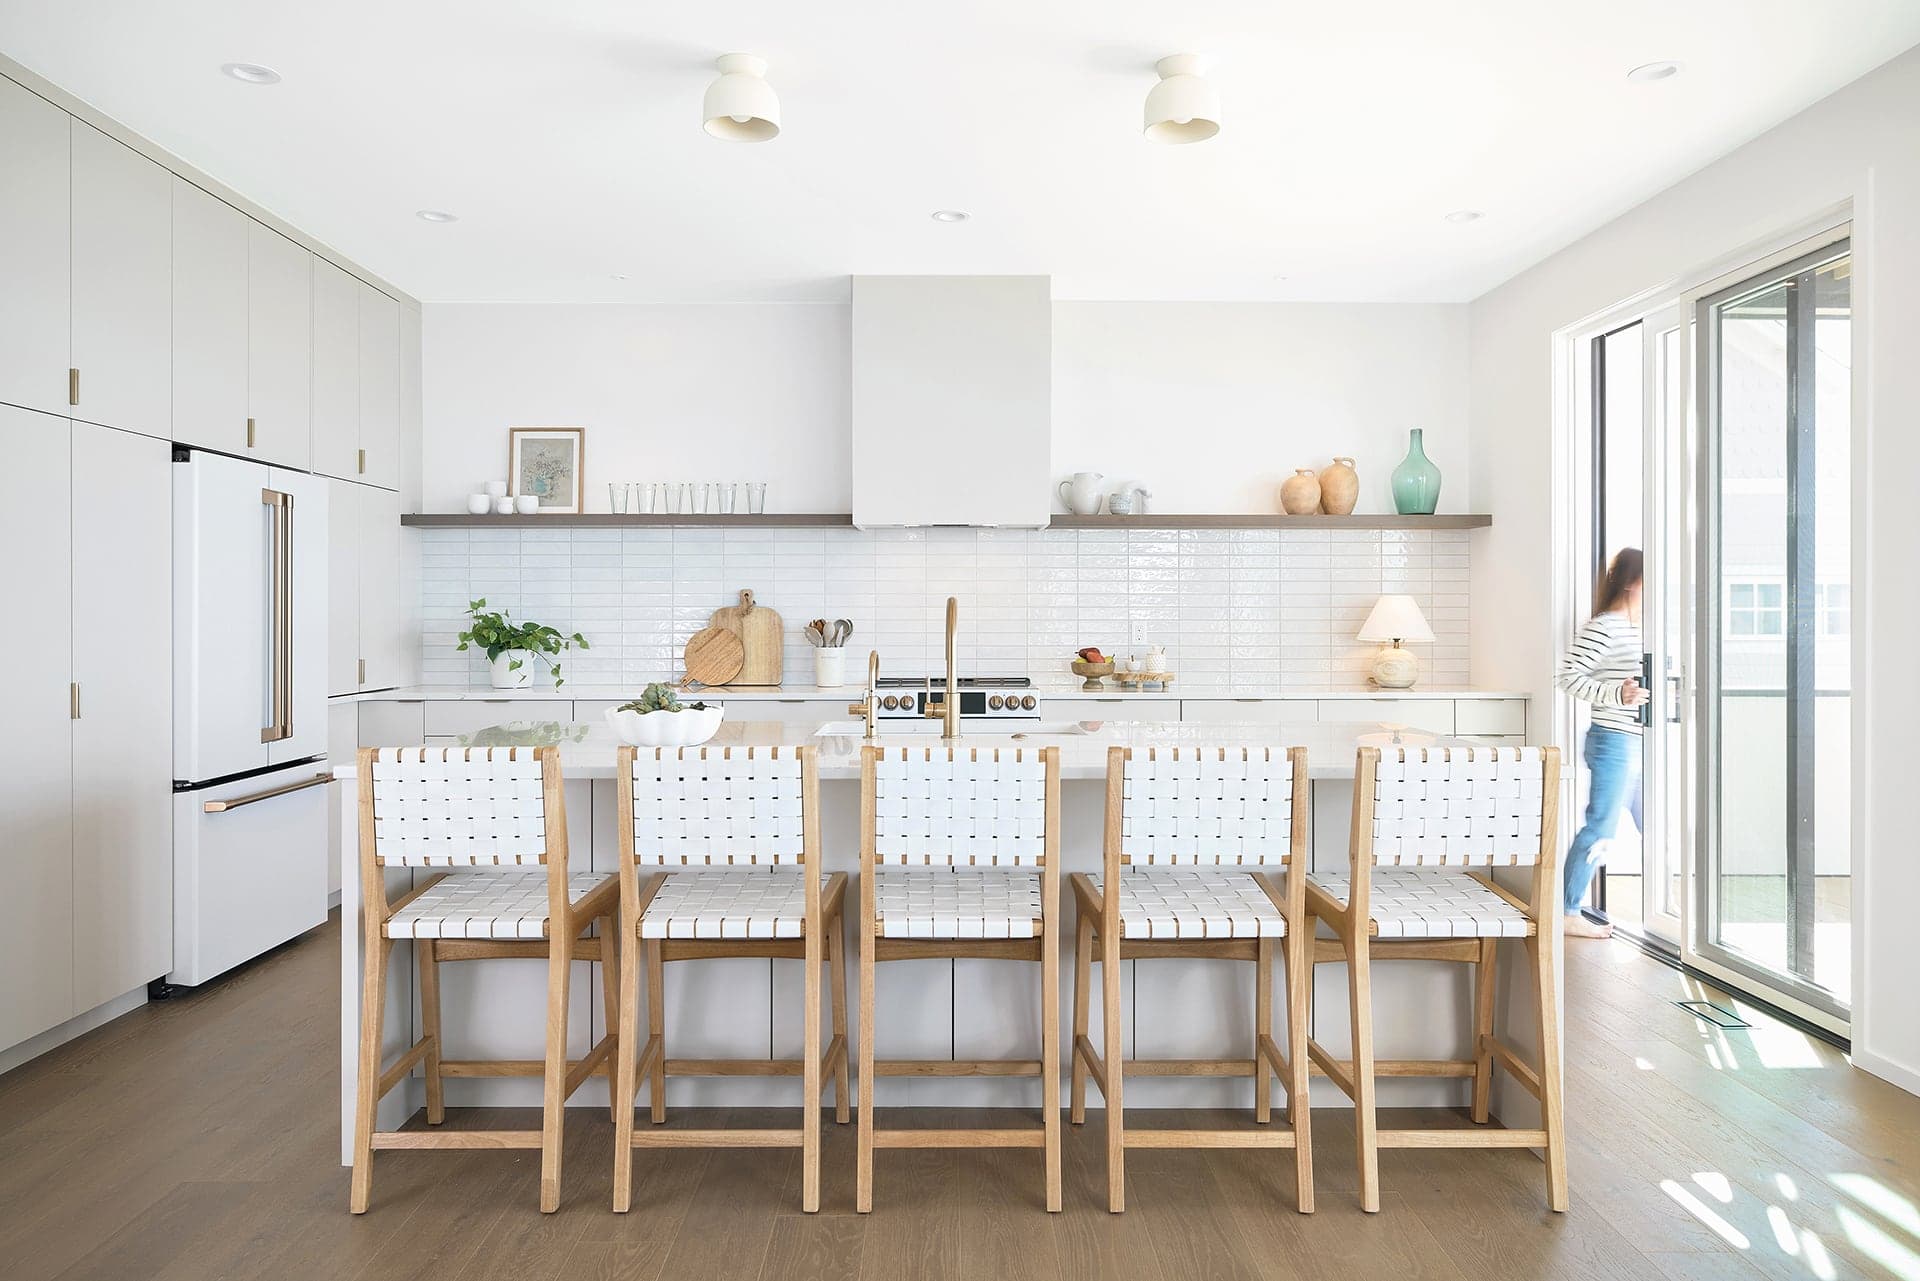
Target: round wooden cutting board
x,y
714,656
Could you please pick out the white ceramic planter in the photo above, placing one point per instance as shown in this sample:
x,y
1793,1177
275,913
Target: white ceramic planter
x,y
688,727
500,677
830,667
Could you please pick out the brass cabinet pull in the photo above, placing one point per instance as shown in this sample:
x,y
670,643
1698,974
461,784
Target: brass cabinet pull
x,y
250,433
73,386
221,807
73,701
363,671
363,462
282,677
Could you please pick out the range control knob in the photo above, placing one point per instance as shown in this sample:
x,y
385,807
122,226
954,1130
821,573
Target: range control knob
x,y
995,703
1028,703
889,702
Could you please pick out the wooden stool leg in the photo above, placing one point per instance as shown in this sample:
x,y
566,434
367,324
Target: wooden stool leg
x,y
1483,992
1050,1048
1365,1126
863,1161
1543,949
1298,955
1082,1016
657,1028
626,1084
423,950
1116,1113
373,1009
553,1108
610,997
1262,1029
810,1072
837,970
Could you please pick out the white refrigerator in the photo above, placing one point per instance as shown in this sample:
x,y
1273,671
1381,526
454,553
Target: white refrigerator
x,y
249,710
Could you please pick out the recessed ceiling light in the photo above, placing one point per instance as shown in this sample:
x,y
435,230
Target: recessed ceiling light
x,y
252,73
435,215
950,215
1649,72
619,276
1465,215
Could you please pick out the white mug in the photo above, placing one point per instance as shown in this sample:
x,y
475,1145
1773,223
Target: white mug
x,y
527,504
479,504
503,505
496,489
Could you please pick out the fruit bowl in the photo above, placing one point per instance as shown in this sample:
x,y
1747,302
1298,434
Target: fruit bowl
x,y
688,727
1092,671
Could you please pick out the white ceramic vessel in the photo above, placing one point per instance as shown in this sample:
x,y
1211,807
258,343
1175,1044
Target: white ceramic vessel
x,y
501,673
1082,494
687,727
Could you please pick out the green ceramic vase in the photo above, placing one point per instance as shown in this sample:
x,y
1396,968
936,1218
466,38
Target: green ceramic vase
x,y
1416,481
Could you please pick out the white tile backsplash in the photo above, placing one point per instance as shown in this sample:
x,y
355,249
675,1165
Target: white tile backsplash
x,y
1235,608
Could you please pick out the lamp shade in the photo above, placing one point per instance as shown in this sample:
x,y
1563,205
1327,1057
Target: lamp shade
x,y
1184,106
1395,618
741,106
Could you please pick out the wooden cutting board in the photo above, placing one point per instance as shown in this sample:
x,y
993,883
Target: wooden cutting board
x,y
761,640
713,656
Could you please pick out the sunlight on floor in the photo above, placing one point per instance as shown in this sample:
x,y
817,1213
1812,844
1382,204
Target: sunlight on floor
x,y
1702,1211
1899,1258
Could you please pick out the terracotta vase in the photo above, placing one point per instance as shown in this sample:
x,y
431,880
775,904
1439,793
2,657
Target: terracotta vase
x,y
1339,488
1300,493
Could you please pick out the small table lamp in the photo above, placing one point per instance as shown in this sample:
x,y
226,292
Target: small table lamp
x,y
1395,619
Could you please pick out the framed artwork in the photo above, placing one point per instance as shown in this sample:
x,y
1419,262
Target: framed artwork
x,y
549,463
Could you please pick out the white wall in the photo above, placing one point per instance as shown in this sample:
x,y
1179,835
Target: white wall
x,y
733,392
1212,405
1209,405
1856,145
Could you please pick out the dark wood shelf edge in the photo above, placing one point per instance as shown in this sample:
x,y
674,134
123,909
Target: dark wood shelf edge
x,y
1210,520
448,520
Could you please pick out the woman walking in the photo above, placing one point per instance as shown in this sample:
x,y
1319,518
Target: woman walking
x,y
1603,668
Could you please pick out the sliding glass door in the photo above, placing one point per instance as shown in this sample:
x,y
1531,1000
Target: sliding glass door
x,y
1773,609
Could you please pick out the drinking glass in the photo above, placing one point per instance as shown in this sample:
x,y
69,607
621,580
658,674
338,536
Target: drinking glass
x,y
642,498
698,493
676,496
726,498
756,497
617,498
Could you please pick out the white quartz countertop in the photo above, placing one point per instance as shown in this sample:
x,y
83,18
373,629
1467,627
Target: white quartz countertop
x,y
589,749
798,692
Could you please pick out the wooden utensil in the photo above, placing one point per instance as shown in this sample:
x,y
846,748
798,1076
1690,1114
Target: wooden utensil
x,y
714,656
759,630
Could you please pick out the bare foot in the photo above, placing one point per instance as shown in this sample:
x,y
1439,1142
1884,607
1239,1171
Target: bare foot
x,y
1578,926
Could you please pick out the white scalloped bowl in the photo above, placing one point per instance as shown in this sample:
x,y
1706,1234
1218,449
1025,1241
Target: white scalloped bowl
x,y
685,728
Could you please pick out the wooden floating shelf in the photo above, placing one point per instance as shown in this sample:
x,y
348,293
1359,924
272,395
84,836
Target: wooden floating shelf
x,y
1236,520
656,521
841,520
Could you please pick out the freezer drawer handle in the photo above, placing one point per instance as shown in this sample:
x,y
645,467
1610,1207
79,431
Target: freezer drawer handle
x,y
282,678
221,807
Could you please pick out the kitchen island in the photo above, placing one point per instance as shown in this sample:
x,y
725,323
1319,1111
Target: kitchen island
x,y
967,1009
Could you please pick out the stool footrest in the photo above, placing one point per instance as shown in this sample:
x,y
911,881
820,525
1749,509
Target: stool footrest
x,y
644,1138
959,1138
417,1139
956,1067
1479,1137
1209,1138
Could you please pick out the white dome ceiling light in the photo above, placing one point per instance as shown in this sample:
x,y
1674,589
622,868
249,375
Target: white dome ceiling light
x,y
251,73
740,106
1653,72
1184,106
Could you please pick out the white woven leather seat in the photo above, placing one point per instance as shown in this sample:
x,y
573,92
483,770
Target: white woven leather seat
x,y
738,903
957,903
1418,903
1195,903
487,905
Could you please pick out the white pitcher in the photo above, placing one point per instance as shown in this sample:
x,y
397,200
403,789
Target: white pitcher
x,y
1082,493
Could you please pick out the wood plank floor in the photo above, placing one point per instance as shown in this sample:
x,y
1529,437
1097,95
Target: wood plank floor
x,y
198,1139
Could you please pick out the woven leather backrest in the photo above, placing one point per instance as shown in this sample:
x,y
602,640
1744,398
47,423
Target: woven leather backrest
x,y
1207,805
1458,807
943,806
718,805
458,807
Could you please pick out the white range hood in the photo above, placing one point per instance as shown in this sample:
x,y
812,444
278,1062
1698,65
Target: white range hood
x,y
952,400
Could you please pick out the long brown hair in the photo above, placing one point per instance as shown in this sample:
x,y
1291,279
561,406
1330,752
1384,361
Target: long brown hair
x,y
1610,593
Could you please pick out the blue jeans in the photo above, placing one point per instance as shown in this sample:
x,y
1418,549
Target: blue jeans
x,y
1614,759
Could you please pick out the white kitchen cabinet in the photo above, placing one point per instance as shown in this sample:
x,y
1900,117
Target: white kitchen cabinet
x,y
1434,715
451,718
1092,707
378,460
36,811
384,639
122,286
279,348
400,723
1490,717
209,321
123,738
36,228
1262,711
408,474
343,587
336,372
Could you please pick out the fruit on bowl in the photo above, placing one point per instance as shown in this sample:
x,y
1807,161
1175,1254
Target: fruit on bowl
x,y
1092,654
1092,665
659,719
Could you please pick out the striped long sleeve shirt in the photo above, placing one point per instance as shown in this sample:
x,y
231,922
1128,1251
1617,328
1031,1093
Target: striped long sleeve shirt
x,y
1604,654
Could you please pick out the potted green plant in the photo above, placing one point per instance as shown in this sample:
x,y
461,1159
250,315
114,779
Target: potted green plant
x,y
513,648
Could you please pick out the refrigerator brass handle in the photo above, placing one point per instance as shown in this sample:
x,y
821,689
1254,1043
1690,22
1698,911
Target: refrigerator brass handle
x,y
281,681
221,807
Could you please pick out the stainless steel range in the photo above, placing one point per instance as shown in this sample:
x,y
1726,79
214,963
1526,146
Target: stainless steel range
x,y
996,698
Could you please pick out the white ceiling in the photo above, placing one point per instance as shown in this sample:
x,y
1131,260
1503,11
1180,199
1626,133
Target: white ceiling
x,y
566,133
